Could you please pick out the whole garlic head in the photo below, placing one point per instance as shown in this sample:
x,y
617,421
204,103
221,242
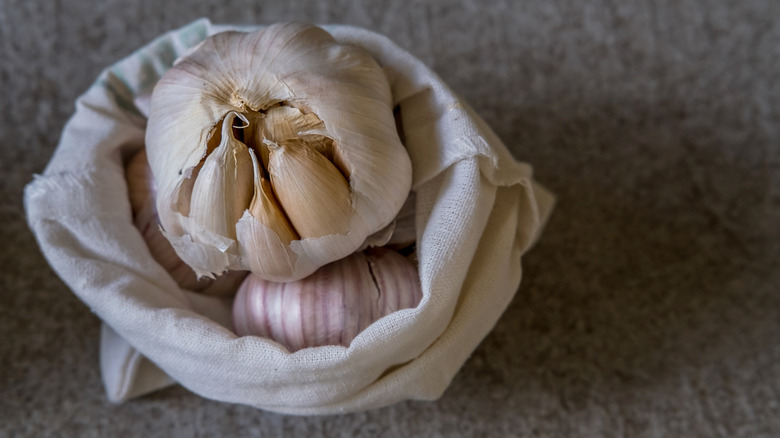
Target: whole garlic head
x,y
331,306
274,151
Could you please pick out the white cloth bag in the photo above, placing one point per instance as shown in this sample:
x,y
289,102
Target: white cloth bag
x,y
477,212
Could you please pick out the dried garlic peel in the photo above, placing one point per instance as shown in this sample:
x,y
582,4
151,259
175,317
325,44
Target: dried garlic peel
x,y
274,151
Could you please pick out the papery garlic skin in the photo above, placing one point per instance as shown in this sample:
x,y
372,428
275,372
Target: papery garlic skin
x,y
316,115
141,192
331,306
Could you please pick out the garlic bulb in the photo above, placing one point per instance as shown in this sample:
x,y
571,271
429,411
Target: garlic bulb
x,y
331,306
274,151
141,192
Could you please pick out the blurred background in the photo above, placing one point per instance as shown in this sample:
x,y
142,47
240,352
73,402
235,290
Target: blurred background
x,y
651,306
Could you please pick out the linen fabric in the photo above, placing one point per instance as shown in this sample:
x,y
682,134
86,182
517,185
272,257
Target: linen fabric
x,y
478,210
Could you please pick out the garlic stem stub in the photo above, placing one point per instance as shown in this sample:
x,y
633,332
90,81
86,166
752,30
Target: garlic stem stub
x,y
331,306
274,151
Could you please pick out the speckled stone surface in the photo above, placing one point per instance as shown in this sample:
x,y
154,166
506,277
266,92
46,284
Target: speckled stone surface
x,y
650,308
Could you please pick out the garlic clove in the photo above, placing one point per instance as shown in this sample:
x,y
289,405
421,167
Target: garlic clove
x,y
311,190
223,188
391,273
284,122
266,209
141,193
331,306
265,233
